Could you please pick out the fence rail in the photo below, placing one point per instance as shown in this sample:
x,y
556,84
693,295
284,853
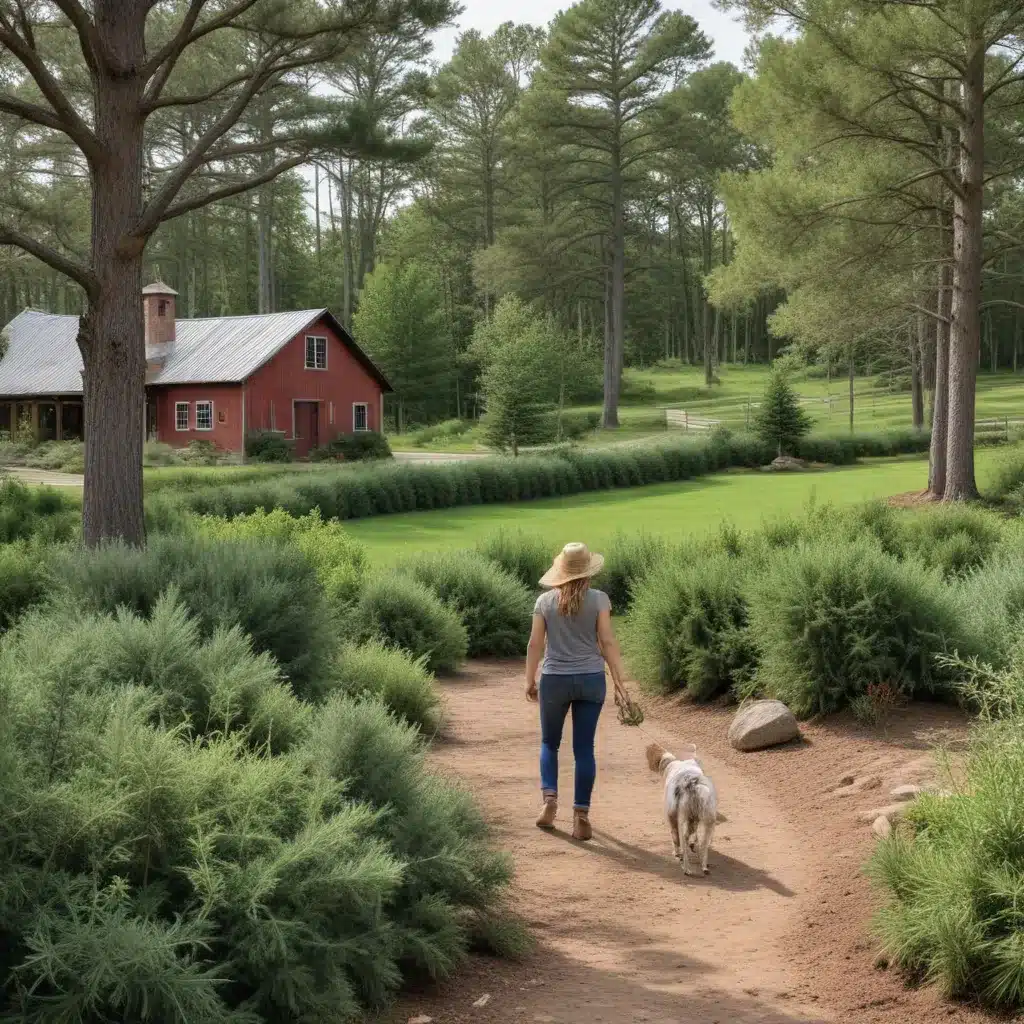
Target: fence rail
x,y
686,420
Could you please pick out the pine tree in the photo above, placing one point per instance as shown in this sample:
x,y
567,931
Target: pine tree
x,y
780,420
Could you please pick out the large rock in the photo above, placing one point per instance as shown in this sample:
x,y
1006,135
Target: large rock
x,y
787,464
761,724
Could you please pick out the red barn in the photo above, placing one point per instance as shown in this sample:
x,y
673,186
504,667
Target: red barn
x,y
216,379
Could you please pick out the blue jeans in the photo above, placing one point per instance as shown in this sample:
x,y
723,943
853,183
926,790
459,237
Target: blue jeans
x,y
584,695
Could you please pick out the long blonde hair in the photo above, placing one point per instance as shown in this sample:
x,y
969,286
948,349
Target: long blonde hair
x,y
571,596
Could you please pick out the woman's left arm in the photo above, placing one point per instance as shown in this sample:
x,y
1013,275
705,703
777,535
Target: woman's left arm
x,y
610,649
534,655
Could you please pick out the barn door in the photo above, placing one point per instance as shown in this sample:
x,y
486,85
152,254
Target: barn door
x,y
307,428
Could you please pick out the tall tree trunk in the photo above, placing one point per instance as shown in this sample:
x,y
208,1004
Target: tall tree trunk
x,y
111,333
264,226
940,409
853,381
965,329
917,346
316,210
615,350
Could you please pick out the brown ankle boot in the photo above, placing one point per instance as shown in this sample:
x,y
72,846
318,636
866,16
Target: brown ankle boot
x,y
549,813
581,825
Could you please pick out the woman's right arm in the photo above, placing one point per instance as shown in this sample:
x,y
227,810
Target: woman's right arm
x,y
535,654
610,648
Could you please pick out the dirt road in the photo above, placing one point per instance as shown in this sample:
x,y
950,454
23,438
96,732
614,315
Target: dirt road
x,y
779,933
623,935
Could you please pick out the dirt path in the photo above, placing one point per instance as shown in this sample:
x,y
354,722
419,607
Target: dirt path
x,y
623,936
777,934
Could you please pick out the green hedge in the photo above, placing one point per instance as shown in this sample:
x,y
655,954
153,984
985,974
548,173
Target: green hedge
x,y
363,491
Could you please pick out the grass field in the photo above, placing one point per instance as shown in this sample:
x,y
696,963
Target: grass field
x,y
648,392
744,499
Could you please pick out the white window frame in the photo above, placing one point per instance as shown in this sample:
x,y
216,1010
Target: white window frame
x,y
315,338
210,405
365,406
178,406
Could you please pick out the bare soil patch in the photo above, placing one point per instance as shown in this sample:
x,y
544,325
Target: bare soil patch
x,y
777,934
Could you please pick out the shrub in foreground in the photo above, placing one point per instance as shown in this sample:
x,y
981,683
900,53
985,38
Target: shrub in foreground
x,y
338,560
400,683
831,619
954,539
401,612
150,878
270,591
27,512
525,556
452,879
629,559
953,884
494,607
688,630
24,582
210,687
991,602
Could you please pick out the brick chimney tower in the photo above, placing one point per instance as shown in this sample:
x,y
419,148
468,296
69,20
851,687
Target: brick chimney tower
x,y
158,311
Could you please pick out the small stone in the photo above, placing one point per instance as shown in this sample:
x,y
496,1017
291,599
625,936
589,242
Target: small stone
x,y
482,1001
882,827
761,724
903,793
422,1019
889,811
861,785
543,1018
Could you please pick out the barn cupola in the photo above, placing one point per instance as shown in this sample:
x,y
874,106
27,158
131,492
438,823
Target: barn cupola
x,y
158,300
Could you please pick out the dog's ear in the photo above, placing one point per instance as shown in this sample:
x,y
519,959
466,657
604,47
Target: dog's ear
x,y
654,756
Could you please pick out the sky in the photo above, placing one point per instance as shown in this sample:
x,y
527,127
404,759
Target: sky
x,y
728,37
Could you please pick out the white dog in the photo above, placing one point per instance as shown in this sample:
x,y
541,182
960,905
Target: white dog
x,y
691,804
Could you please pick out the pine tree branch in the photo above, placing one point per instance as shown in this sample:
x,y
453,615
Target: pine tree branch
x,y
246,185
62,264
68,119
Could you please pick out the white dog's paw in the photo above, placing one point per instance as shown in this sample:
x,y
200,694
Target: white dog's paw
x,y
688,871
707,871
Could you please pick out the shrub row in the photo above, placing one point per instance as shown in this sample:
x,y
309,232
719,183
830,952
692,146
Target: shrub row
x,y
815,611
382,489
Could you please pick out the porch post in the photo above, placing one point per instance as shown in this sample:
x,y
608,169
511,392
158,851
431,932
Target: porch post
x,y
60,420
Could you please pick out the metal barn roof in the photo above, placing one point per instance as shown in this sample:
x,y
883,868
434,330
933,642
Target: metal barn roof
x,y
43,359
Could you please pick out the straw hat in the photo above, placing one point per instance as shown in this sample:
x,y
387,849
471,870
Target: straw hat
x,y
574,563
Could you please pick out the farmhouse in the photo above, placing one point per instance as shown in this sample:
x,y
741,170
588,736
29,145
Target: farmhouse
x,y
216,379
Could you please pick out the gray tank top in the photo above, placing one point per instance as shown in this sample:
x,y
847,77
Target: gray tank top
x,y
572,642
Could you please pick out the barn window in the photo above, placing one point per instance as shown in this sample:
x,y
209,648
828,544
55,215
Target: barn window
x,y
316,353
161,308
181,415
204,415
359,416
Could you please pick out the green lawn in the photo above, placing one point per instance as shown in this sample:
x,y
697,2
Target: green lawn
x,y
648,392
744,499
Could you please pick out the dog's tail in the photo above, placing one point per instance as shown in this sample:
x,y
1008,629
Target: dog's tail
x,y
686,784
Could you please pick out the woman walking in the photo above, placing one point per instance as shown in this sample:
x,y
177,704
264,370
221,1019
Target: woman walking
x,y
570,643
